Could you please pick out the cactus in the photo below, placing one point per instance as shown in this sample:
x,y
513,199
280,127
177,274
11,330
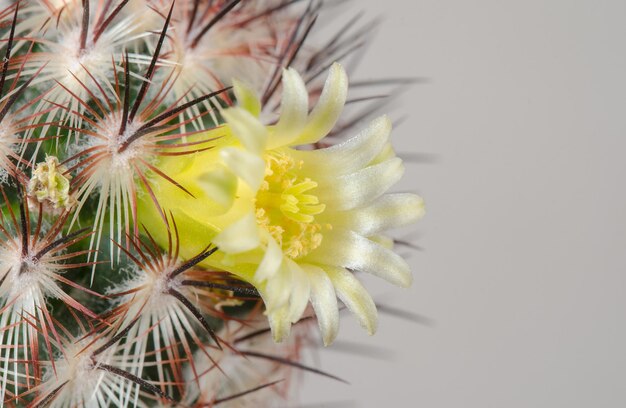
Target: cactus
x,y
182,199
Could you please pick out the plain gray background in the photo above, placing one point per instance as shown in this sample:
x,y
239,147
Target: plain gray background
x,y
523,261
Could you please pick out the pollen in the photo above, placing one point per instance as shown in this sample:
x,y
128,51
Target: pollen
x,y
286,206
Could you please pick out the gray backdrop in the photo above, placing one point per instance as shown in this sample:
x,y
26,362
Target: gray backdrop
x,y
523,266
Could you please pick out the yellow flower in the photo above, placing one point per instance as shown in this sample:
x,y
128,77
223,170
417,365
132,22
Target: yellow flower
x,y
295,223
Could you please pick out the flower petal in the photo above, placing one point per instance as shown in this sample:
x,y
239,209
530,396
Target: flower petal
x,y
279,323
246,98
241,236
352,251
220,185
328,108
324,301
272,260
349,156
355,297
360,188
382,240
278,289
246,128
388,211
294,109
385,154
247,166
301,292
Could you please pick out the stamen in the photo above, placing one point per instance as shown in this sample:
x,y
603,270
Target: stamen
x,y
284,209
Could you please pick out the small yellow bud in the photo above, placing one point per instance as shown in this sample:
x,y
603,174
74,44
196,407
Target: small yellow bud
x,y
50,184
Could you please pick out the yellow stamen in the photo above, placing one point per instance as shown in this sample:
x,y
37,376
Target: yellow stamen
x,y
284,209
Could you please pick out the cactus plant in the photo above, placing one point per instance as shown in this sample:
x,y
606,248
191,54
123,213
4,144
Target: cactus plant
x,y
169,201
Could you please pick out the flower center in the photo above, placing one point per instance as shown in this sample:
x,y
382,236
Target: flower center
x,y
286,208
